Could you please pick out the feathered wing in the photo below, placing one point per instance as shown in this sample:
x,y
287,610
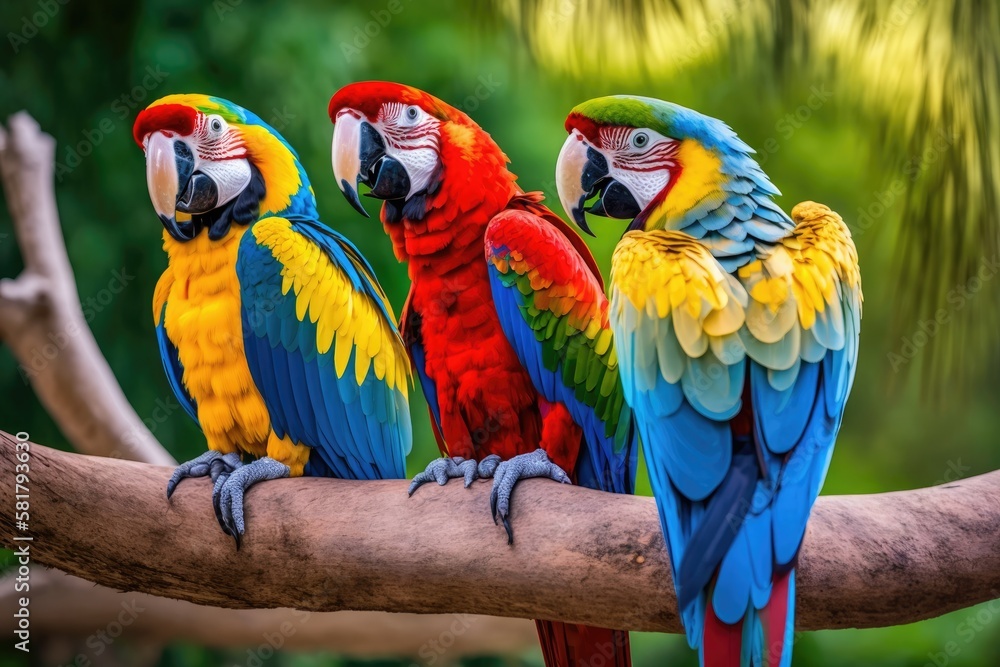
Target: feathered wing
x,y
410,325
738,384
168,351
553,311
323,349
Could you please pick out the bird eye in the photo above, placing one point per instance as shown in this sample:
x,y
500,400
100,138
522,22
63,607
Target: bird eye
x,y
216,124
411,113
640,139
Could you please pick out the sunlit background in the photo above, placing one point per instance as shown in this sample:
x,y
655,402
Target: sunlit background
x,y
886,111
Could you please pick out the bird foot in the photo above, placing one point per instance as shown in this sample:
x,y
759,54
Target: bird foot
x,y
227,496
510,472
210,464
456,467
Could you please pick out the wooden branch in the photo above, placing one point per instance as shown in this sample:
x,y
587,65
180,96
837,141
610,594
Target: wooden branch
x,y
41,318
65,607
579,555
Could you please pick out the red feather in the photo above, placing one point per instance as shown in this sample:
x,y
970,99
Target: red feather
x,y
170,117
565,645
773,618
721,643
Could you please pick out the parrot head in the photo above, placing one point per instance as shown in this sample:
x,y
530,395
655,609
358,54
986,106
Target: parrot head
x,y
396,139
644,160
211,164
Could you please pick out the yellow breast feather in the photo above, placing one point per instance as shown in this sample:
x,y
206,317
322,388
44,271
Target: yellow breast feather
x,y
203,321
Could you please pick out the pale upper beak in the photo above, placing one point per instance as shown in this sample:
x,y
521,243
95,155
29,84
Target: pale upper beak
x,y
570,166
169,161
346,154
359,156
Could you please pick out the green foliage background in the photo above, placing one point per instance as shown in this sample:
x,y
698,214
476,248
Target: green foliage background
x,y
86,66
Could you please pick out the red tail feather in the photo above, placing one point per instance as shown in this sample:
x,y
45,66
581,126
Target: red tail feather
x,y
773,618
721,643
566,645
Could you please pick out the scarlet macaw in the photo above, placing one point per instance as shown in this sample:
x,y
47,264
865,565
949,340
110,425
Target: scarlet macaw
x,y
737,327
506,321
274,333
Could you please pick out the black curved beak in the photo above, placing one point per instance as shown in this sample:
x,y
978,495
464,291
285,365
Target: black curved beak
x,y
614,201
359,156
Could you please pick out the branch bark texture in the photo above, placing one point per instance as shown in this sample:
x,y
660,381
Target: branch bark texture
x,y
579,555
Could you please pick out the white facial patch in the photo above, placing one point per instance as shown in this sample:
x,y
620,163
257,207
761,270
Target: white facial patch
x,y
412,136
231,177
644,167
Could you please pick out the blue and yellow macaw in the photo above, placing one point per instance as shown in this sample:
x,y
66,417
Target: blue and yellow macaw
x,y
737,330
274,333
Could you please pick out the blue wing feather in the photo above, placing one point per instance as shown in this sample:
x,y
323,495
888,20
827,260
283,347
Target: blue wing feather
x,y
351,430
173,368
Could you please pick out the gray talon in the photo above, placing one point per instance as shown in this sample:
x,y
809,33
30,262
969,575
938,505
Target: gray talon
x,y
228,493
509,472
211,464
441,470
488,466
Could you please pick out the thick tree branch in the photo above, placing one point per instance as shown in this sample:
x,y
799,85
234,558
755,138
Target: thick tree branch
x,y
41,318
579,556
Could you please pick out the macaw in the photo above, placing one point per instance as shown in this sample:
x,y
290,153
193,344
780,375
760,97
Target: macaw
x,y
737,329
506,321
274,334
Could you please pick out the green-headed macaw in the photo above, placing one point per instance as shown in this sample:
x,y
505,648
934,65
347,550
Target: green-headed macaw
x,y
274,333
737,330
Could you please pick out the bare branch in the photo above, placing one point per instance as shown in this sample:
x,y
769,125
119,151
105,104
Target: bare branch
x,y
41,318
65,607
580,555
